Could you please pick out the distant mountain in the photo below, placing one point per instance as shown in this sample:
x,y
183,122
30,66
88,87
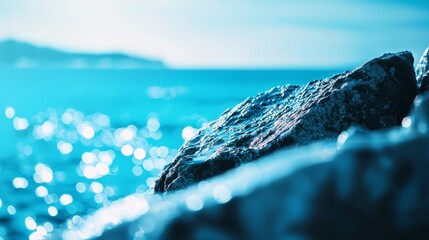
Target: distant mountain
x,y
24,55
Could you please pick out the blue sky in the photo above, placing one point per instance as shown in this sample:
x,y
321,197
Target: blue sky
x,y
225,33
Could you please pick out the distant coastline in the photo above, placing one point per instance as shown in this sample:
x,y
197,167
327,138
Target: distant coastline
x,y
17,54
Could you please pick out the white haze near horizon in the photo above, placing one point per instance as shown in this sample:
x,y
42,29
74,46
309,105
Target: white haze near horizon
x,y
224,33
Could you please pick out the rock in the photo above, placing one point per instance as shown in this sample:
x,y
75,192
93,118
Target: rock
x,y
375,187
422,68
369,185
375,95
424,83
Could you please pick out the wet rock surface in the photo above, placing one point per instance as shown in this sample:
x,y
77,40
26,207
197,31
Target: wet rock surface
x,y
374,96
375,187
370,185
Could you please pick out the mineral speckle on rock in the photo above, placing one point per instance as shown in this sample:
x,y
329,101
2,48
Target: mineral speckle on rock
x,y
422,72
422,69
376,95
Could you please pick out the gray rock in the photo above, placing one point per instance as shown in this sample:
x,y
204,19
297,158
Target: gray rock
x,y
376,95
363,186
422,69
375,187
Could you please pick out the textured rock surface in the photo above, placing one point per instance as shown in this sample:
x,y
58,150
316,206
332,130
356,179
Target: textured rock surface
x,y
424,83
376,95
422,69
376,187
365,186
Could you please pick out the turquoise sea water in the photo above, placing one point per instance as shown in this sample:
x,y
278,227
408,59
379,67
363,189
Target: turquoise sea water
x,y
73,141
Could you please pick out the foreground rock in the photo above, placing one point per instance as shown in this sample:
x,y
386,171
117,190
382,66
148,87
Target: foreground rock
x,y
376,95
374,187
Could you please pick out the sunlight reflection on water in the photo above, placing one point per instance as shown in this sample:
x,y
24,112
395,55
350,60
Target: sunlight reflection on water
x,y
53,143
153,112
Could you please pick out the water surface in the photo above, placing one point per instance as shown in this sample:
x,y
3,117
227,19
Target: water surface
x,y
72,141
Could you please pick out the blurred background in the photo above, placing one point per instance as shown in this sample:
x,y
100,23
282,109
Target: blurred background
x,y
97,96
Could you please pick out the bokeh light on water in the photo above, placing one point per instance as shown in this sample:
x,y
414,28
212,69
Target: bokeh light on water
x,y
69,164
76,141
